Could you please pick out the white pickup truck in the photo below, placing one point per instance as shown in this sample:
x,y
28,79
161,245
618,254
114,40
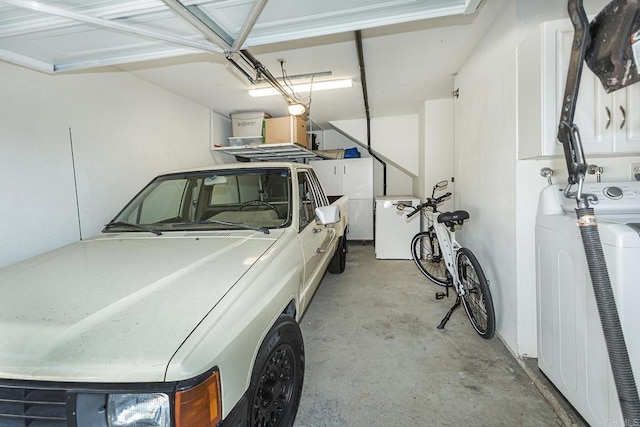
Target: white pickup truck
x,y
184,311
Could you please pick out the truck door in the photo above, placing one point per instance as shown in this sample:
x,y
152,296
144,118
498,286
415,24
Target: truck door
x,y
314,239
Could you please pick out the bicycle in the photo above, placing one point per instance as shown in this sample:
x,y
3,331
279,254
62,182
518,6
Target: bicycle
x,y
440,257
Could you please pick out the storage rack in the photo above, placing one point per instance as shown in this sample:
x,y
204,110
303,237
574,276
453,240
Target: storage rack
x,y
268,152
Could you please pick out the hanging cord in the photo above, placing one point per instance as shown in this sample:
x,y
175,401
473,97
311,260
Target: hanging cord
x,y
289,84
75,184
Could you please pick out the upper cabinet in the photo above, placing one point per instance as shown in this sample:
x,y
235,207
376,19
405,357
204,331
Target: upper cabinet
x,y
609,123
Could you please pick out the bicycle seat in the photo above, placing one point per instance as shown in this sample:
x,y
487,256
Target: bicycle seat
x,y
457,216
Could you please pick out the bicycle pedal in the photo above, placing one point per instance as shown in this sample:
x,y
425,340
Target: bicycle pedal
x,y
441,295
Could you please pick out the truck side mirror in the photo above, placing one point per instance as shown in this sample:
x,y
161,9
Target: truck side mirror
x,y
327,215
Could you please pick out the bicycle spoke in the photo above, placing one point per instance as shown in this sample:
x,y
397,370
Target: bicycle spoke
x,y
476,290
427,256
478,312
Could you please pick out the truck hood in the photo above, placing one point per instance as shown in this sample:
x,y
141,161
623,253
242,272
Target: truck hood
x,y
116,308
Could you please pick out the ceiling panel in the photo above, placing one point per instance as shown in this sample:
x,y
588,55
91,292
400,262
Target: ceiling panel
x,y
290,19
74,34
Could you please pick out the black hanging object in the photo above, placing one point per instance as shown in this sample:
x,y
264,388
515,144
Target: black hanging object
x,y
614,51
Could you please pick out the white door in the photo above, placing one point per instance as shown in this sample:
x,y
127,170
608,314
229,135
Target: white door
x,y
626,105
357,178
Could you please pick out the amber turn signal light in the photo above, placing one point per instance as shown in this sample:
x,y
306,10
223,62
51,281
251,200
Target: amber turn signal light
x,y
200,406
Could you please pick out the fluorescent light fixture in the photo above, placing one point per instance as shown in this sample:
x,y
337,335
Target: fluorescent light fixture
x,y
305,87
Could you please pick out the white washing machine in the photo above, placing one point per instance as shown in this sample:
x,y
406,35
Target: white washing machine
x,y
571,348
394,230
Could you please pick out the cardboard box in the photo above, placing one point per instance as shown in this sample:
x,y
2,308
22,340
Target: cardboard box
x,y
248,124
280,130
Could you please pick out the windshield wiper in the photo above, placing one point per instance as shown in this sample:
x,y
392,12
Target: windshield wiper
x,y
265,230
128,224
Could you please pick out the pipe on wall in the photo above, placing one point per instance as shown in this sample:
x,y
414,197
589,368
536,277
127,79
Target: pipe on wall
x,y
363,79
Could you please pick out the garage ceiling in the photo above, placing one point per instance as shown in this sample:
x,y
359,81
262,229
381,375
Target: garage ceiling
x,y
155,40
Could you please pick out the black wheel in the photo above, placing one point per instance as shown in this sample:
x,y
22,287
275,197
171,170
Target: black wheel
x,y
477,299
276,381
425,251
258,203
339,260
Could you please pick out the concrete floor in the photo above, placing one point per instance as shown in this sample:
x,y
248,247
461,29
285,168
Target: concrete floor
x,y
375,358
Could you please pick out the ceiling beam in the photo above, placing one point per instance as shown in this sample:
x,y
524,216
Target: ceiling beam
x,y
194,17
248,24
247,65
121,59
26,61
470,6
111,25
138,10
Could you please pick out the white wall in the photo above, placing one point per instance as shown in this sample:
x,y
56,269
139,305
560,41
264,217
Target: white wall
x,y
395,140
436,149
439,146
124,132
219,133
485,166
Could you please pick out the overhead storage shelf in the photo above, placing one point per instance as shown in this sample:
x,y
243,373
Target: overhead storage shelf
x,y
267,152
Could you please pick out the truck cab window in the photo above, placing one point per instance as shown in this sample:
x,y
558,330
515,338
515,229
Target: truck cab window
x,y
307,199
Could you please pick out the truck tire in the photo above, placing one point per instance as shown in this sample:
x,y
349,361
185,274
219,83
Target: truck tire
x,y
276,381
339,260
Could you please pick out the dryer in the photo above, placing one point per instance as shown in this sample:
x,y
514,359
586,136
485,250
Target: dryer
x,y
571,347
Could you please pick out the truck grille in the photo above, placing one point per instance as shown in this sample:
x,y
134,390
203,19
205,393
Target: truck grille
x,y
27,407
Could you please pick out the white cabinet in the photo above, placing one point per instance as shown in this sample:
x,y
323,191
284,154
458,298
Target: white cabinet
x,y
327,173
353,178
608,123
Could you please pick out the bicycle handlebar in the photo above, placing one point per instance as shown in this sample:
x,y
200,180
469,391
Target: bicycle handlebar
x,y
430,203
414,212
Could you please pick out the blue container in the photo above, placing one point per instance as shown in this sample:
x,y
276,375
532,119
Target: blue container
x,y
351,153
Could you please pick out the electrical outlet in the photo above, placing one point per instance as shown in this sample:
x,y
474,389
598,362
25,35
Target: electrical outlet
x,y
634,168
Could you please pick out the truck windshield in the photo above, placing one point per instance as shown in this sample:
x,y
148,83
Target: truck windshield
x,y
249,198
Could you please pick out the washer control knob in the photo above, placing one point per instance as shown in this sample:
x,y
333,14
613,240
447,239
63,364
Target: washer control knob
x,y
613,193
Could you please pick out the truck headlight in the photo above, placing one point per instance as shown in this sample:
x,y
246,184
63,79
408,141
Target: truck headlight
x,y
131,410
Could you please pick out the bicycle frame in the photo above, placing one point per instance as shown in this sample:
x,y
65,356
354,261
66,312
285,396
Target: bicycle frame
x,y
449,247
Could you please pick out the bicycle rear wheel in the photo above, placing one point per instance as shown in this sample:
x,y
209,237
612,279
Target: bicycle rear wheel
x,y
425,251
477,299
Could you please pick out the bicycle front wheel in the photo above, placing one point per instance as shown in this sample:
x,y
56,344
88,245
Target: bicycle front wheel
x,y
477,299
425,251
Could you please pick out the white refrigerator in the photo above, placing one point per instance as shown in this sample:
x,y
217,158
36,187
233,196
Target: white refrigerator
x,y
394,230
